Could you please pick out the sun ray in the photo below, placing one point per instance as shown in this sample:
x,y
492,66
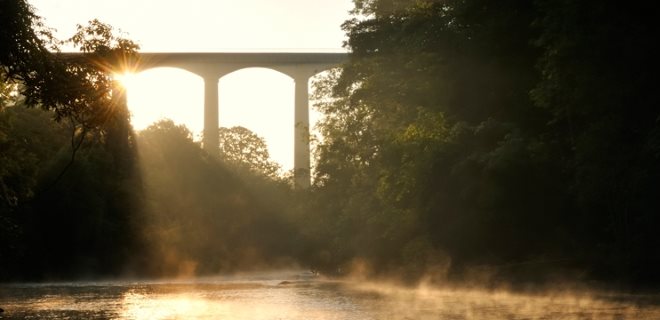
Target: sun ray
x,y
126,79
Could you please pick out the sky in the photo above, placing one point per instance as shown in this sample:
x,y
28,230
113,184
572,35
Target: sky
x,y
258,99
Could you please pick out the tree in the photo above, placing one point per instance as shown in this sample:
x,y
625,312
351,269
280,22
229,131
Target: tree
x,y
76,89
80,91
597,83
426,134
497,134
243,148
202,210
29,143
94,210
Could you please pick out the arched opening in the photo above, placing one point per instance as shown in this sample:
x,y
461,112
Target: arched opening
x,y
258,98
172,93
261,100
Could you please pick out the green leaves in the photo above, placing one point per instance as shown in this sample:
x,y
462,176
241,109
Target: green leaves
x,y
494,131
80,90
243,148
79,93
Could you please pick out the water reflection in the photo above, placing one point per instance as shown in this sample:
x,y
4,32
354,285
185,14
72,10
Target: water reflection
x,y
292,298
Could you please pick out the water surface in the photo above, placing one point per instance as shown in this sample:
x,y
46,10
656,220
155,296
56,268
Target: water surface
x,y
302,296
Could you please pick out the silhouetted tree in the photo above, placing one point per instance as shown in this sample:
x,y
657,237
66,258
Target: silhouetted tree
x,y
59,224
242,147
205,216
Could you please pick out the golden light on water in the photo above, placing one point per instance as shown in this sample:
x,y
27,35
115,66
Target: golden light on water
x,y
374,301
242,302
140,306
188,306
313,299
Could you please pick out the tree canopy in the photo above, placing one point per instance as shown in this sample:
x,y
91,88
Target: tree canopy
x,y
242,147
517,134
38,202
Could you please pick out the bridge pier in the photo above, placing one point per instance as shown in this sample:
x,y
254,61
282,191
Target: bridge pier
x,y
301,148
301,165
210,140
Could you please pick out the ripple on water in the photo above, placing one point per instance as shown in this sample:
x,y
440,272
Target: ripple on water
x,y
236,299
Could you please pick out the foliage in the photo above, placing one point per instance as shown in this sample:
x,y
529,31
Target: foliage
x,y
204,215
28,141
39,202
78,225
104,209
242,147
597,76
493,136
76,89
80,91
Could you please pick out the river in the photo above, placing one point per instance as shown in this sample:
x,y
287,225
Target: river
x,y
301,295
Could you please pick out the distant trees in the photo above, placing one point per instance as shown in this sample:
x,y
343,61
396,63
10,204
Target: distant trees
x,y
206,215
242,147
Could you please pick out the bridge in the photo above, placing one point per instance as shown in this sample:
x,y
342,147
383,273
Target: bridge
x,y
211,66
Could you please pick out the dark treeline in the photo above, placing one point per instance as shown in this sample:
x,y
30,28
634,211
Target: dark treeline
x,y
159,207
516,138
64,223
512,141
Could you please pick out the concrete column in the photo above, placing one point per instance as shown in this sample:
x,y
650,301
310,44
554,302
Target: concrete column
x,y
301,140
210,136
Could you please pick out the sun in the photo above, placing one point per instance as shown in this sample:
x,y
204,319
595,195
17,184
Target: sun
x,y
126,79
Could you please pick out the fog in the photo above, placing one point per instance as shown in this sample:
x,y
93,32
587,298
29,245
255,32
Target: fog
x,y
293,294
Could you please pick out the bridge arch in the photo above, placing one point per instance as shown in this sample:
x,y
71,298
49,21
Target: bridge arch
x,y
261,99
183,88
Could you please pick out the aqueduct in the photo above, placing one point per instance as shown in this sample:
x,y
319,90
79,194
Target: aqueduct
x,y
212,66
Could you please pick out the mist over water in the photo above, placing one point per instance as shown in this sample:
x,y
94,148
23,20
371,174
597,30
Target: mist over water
x,y
303,295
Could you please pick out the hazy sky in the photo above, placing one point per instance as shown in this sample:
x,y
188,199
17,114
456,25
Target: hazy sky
x,y
259,99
